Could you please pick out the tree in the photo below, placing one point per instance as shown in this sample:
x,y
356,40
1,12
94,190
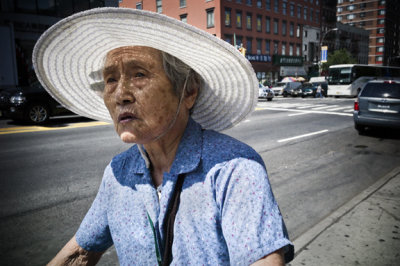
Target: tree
x,y
341,56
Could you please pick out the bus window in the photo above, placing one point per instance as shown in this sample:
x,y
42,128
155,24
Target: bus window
x,y
339,75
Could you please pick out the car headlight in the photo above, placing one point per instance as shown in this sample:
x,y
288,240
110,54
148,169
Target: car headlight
x,y
17,99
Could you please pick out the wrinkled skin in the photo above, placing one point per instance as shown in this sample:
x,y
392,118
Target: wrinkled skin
x,y
138,94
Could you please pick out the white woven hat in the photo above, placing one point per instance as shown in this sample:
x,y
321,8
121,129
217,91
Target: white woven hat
x,y
68,60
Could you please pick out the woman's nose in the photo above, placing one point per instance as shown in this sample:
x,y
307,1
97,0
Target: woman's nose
x,y
124,93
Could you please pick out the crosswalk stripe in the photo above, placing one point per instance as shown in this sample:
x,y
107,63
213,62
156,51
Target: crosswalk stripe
x,y
324,107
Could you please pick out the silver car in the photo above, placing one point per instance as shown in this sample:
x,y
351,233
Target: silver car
x,y
378,105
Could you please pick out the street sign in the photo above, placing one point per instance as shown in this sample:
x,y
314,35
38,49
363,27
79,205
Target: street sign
x,y
324,54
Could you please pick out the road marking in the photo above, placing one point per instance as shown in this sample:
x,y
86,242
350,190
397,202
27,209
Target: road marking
x,y
13,130
303,136
324,107
310,105
337,108
305,111
300,113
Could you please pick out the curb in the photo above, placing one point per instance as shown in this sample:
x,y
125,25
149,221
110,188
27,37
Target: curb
x,y
309,236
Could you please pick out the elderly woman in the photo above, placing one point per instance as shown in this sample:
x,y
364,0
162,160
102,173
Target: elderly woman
x,y
184,194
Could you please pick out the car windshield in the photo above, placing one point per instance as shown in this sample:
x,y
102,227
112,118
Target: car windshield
x,y
381,90
339,75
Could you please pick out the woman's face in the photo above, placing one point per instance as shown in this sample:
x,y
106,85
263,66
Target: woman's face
x,y
138,94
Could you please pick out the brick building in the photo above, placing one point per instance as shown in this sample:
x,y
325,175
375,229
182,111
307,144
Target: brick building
x,y
270,30
381,18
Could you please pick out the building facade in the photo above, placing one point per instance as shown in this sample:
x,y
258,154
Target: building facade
x,y
270,30
381,19
21,24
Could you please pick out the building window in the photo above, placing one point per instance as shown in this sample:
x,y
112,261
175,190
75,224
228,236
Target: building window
x,y
339,18
267,25
340,1
380,49
339,9
305,33
311,15
363,5
298,11
291,29
183,18
249,2
381,21
267,46
305,13
248,21
139,6
379,58
210,18
159,6
362,15
305,47
291,9
248,45
381,12
284,27
276,43
228,17
238,19
239,41
380,31
283,48
298,31
382,2
259,44
182,3
259,3
317,16
350,7
297,49
351,16
291,49
259,23
284,6
228,39
380,40
276,6
276,26
268,4
239,1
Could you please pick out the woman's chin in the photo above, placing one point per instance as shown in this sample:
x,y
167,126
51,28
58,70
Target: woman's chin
x,y
128,137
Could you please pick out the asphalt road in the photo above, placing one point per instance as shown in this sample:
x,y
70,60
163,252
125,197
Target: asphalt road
x,y
315,159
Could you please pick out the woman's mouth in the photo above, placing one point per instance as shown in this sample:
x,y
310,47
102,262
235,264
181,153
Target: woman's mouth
x,y
126,117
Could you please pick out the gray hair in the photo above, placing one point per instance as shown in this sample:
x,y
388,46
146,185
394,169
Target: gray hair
x,y
178,72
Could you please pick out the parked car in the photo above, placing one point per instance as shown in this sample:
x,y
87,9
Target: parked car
x,y
378,105
289,88
305,90
278,88
31,104
265,92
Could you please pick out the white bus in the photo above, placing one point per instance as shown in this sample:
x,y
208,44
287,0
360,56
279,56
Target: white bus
x,y
347,80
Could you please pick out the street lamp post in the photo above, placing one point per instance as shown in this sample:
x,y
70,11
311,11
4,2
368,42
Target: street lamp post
x,y
320,48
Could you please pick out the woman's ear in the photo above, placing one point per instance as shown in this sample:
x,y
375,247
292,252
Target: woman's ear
x,y
190,99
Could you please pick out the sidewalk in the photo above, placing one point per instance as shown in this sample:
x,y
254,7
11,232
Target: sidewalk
x,y
365,231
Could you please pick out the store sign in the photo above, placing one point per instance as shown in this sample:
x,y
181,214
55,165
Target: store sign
x,y
259,57
282,60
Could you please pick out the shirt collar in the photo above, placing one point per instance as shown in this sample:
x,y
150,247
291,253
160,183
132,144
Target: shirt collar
x,y
187,157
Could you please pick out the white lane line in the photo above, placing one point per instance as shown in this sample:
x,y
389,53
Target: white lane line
x,y
300,113
337,108
305,135
304,111
324,107
312,105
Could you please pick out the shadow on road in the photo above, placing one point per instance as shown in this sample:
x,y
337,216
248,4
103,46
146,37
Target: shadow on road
x,y
382,133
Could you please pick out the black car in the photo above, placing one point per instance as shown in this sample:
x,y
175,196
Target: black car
x,y
31,104
306,89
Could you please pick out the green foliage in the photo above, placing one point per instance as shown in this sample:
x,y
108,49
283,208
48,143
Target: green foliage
x,y
341,56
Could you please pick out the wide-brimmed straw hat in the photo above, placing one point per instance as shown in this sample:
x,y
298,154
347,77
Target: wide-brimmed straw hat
x,y
68,60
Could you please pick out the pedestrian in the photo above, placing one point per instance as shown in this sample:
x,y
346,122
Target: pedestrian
x,y
319,92
183,193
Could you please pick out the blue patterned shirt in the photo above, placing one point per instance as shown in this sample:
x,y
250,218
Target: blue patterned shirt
x,y
227,212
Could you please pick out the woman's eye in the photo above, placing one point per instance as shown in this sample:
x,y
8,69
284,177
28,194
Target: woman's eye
x,y
139,75
111,80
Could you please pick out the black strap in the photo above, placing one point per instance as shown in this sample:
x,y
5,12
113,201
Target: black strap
x,y
169,220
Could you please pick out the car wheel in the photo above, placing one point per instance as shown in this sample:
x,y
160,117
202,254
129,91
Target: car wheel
x,y
285,94
37,113
360,129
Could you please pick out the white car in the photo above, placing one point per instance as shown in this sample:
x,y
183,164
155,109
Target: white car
x,y
266,93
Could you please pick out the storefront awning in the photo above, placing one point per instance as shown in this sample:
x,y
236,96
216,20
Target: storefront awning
x,y
292,71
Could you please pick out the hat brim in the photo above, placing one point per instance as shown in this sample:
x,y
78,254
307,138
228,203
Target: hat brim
x,y
69,56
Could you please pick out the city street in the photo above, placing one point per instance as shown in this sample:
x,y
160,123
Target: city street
x,y
315,159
